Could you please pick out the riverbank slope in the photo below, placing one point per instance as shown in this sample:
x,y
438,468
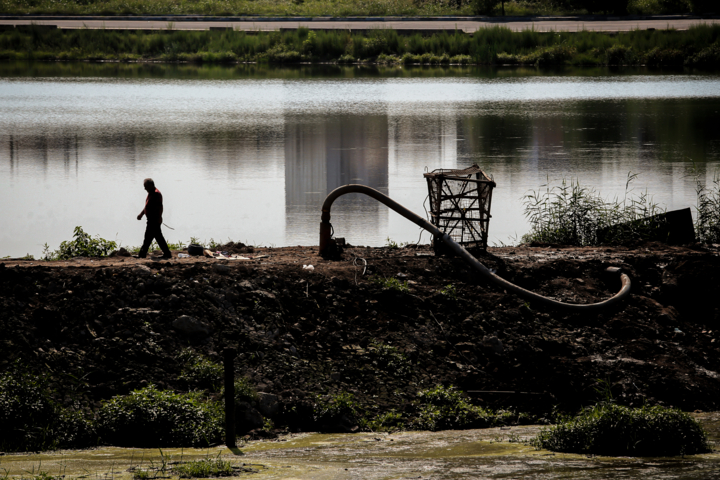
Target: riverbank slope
x,y
407,321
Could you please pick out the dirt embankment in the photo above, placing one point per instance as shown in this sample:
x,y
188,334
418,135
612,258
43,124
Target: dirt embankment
x,y
105,327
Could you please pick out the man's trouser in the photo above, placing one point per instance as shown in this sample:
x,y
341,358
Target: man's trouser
x,y
152,231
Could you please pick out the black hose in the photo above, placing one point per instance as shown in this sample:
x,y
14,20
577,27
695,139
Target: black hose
x,y
325,236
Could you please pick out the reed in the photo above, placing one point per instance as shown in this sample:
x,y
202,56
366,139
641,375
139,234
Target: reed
x,y
698,46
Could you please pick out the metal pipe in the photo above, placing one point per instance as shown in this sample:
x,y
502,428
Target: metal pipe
x,y
325,240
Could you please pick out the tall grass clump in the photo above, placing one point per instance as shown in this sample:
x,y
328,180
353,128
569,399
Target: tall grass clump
x,y
204,468
31,420
615,430
150,418
707,222
573,214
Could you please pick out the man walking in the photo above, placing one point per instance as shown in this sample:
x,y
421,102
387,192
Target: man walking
x,y
153,211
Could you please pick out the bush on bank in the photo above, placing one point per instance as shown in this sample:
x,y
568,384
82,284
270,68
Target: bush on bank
x,y
154,418
615,430
697,47
31,420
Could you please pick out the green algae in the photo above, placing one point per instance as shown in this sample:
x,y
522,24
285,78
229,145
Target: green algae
x,y
485,453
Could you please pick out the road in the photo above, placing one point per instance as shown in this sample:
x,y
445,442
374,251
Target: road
x,y
423,25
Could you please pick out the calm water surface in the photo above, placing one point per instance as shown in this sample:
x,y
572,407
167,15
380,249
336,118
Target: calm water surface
x,y
249,153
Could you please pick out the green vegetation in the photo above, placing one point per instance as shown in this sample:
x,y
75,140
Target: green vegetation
x,y
389,242
31,420
391,421
449,291
82,246
707,223
572,214
391,283
205,468
199,372
697,47
443,408
389,359
356,7
165,419
245,391
615,430
336,406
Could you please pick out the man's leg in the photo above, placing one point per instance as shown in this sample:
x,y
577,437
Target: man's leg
x,y
149,235
162,243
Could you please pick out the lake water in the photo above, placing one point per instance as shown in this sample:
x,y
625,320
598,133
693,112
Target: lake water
x,y
249,153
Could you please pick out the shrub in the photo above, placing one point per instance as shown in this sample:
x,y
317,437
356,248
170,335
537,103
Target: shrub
x,y
554,55
31,420
704,6
336,406
619,55
245,391
346,59
657,57
610,429
82,246
199,372
384,422
484,7
155,418
445,408
707,57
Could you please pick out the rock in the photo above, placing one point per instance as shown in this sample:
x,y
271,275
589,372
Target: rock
x,y
493,343
268,404
190,326
248,418
221,269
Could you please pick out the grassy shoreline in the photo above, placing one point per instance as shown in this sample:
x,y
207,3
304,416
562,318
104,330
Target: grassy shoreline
x,y
698,46
344,8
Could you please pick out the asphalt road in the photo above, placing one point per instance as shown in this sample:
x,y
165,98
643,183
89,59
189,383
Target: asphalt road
x,y
466,25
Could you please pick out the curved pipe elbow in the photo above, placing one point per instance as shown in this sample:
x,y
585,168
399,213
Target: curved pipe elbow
x,y
325,237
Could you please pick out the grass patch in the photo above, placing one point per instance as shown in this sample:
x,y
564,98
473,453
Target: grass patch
x,y
205,468
391,283
166,419
699,46
615,430
573,214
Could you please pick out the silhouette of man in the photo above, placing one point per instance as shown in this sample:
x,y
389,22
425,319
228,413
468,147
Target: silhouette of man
x,y
153,211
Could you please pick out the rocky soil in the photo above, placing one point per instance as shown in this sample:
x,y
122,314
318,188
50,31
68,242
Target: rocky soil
x,y
103,327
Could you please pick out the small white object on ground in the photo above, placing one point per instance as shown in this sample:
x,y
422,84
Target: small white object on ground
x,y
309,268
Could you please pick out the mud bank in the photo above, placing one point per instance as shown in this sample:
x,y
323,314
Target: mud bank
x,y
103,327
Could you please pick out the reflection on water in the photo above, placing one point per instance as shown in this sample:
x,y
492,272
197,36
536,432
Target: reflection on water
x,y
249,153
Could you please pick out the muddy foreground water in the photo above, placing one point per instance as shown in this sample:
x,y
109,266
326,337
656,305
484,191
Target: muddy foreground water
x,y
487,453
